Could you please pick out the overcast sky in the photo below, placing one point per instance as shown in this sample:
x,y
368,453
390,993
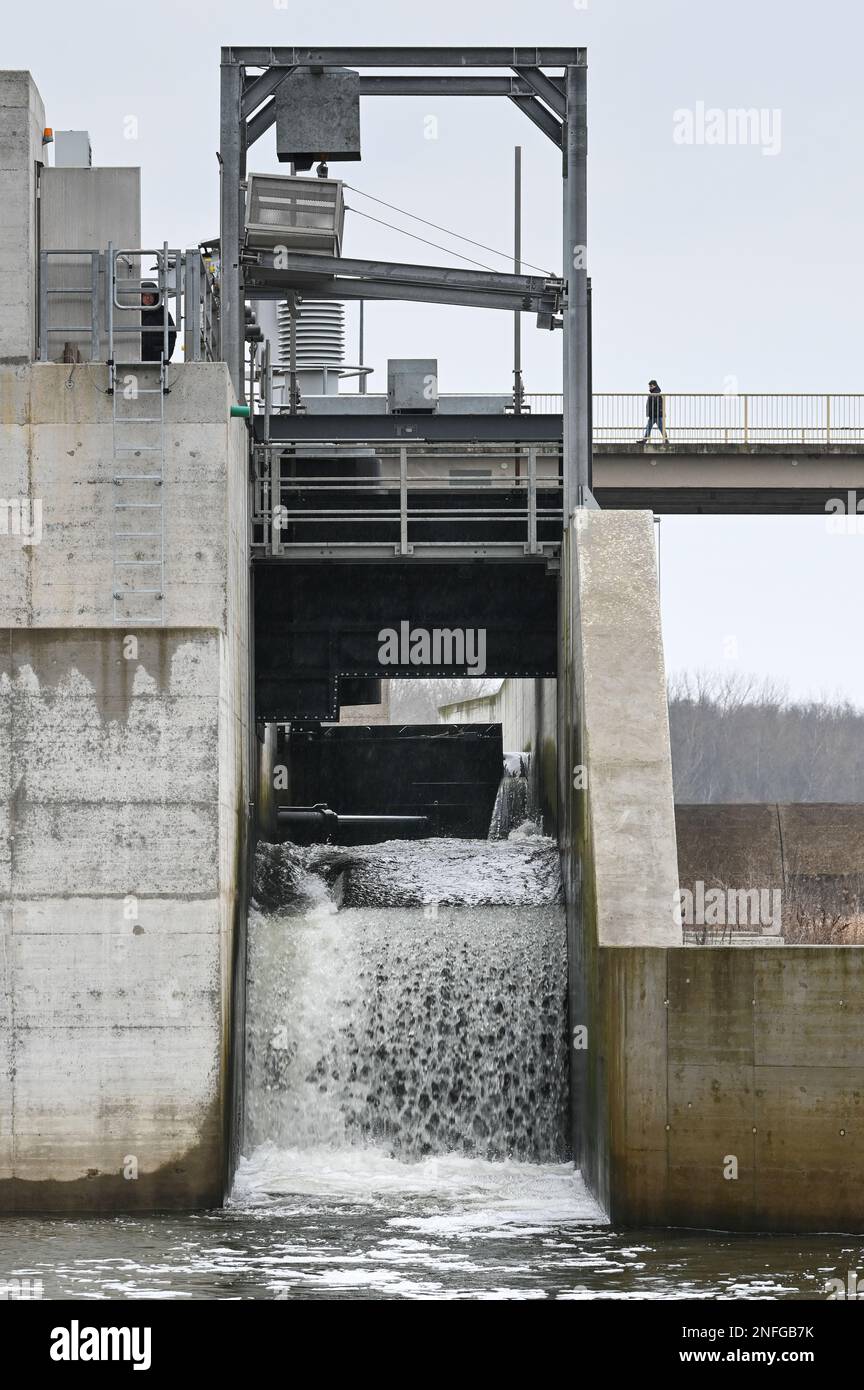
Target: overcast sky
x,y
711,264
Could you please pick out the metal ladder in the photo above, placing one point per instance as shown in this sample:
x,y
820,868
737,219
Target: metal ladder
x,y
138,513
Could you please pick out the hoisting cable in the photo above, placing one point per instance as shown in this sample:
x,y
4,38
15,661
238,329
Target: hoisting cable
x,y
414,237
507,255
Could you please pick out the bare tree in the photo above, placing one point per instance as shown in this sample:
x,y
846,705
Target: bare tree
x,y
737,739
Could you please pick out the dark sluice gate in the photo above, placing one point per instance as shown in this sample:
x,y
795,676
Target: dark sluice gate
x,y
421,780
319,625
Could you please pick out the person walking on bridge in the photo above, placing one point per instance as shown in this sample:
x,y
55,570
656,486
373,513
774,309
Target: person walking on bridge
x,y
654,412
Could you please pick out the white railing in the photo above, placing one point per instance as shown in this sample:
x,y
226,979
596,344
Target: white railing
x,y
717,418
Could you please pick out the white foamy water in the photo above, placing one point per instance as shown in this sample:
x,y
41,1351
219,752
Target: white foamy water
x,y
447,1194
424,1033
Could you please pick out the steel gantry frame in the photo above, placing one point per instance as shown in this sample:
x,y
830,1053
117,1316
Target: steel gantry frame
x,y
557,106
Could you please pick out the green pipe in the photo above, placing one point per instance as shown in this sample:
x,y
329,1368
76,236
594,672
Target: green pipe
x,y
242,410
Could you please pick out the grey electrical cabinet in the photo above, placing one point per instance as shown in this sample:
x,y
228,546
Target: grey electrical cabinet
x,y
412,385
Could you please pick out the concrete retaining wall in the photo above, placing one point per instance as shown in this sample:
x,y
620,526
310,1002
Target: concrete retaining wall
x,y
718,1087
123,793
730,1087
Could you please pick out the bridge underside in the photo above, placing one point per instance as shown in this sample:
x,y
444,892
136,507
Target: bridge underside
x,y
740,479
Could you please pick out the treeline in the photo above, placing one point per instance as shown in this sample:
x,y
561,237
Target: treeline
x,y
734,738
737,739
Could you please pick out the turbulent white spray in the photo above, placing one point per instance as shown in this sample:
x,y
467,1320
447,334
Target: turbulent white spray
x,y
429,1028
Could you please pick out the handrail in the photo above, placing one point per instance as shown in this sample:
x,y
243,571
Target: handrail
x,y
719,417
114,287
519,493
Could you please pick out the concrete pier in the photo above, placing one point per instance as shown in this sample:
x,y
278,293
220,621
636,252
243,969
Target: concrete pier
x,y
716,1087
123,801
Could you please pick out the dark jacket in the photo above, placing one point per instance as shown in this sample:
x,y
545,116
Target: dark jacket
x,y
654,404
151,343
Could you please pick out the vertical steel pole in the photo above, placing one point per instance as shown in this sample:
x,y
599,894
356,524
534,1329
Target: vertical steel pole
x,y
163,285
94,307
404,548
577,443
292,351
232,157
361,362
517,270
188,312
43,306
110,268
267,370
532,501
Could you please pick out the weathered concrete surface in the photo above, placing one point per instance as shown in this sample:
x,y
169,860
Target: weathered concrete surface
x,y
616,828
123,792
712,1088
22,121
57,448
378,713
732,1088
613,722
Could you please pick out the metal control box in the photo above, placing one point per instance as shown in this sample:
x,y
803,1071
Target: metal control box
x,y
412,385
318,116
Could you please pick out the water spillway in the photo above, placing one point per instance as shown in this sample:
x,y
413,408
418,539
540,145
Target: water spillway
x,y
409,997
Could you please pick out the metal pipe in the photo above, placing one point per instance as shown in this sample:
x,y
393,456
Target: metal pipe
x,y
312,817
162,263
292,351
361,345
232,172
517,270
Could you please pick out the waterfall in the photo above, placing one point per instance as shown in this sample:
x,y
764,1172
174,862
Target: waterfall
x,y
515,805
409,996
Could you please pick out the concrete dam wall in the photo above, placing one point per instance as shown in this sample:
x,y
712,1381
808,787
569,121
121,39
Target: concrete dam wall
x,y
715,1086
123,791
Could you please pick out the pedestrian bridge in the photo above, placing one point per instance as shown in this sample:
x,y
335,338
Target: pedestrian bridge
x,y
729,452
470,478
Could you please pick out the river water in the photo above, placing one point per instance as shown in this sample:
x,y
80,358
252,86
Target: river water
x,y
355,1224
406,1097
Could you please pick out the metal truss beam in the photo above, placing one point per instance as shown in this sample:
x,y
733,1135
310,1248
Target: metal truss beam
x,y
258,89
273,285
543,87
543,119
378,86
325,276
408,273
397,57
555,103
428,85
